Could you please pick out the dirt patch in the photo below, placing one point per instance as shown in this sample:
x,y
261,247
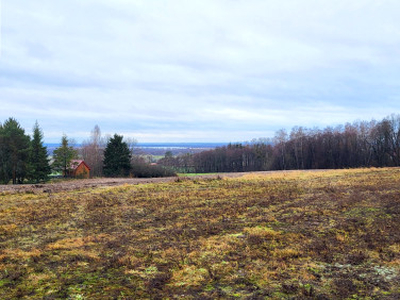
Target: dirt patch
x,y
77,184
68,185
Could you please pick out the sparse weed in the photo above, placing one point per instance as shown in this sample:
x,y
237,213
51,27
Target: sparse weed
x,y
294,235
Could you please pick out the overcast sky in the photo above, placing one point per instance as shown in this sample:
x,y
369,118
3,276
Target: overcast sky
x,y
205,71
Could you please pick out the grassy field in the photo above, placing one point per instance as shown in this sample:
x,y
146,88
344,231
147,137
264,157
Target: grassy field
x,y
298,235
195,174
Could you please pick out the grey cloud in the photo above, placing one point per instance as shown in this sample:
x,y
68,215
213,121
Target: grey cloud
x,y
206,69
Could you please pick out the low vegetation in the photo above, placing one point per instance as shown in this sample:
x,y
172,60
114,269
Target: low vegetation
x,y
316,235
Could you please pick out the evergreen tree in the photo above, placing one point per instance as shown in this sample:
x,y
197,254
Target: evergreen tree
x,y
5,167
39,162
117,158
63,156
14,152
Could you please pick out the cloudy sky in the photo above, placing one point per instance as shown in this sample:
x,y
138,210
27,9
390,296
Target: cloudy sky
x,y
205,71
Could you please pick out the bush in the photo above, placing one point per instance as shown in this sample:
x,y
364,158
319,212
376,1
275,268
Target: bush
x,y
141,169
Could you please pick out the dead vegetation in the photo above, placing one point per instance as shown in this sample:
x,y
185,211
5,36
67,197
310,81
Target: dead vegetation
x,y
298,235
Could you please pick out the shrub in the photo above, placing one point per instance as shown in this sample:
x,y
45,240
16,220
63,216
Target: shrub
x,y
141,169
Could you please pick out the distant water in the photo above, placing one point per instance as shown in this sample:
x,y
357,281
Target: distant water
x,y
161,145
180,145
158,148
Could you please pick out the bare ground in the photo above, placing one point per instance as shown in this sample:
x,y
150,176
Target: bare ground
x,y
77,184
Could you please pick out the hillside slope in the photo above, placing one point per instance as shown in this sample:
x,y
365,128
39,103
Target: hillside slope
x,y
323,235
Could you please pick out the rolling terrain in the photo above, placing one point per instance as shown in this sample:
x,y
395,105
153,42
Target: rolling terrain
x,y
282,235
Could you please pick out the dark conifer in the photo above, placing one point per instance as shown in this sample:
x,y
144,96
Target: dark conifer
x,y
63,156
14,152
117,158
38,161
5,174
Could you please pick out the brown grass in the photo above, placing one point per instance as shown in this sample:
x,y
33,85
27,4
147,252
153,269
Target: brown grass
x,y
297,235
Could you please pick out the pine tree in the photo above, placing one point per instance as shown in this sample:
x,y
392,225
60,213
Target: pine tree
x,y
63,156
14,152
39,163
5,175
117,158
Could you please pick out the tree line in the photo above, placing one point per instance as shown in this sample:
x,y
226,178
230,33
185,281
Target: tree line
x,y
113,157
360,144
25,159
22,157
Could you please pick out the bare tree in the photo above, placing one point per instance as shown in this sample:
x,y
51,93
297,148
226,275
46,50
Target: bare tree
x,y
92,152
393,137
131,142
298,137
280,140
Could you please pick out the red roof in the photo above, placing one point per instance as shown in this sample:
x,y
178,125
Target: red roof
x,y
75,163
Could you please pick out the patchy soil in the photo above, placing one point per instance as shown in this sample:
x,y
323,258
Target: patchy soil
x,y
285,235
78,184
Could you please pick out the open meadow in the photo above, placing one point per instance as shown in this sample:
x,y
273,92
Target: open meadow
x,y
287,235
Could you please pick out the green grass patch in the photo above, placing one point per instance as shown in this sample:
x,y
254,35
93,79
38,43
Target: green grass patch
x,y
195,174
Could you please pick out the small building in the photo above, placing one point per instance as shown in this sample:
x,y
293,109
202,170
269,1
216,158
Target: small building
x,y
79,169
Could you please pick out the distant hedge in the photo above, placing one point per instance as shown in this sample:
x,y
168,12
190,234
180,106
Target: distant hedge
x,y
144,170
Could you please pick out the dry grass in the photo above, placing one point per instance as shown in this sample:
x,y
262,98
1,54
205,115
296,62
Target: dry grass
x,y
316,235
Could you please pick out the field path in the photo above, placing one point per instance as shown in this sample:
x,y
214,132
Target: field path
x,y
77,184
